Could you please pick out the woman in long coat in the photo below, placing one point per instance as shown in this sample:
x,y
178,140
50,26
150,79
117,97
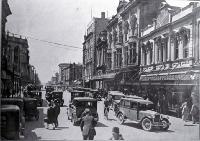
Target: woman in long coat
x,y
87,125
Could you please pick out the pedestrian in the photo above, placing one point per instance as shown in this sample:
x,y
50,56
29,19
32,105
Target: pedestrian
x,y
185,111
57,111
87,125
116,135
194,113
50,116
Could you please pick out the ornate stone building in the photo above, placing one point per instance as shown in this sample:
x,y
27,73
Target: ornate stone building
x,y
170,56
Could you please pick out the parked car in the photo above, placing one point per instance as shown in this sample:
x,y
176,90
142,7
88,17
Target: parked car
x,y
30,108
114,99
37,95
140,111
78,106
10,125
20,103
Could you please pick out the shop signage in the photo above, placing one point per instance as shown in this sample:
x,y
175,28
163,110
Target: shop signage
x,y
166,77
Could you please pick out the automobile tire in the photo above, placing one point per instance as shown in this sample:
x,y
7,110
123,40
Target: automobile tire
x,y
165,123
146,124
120,118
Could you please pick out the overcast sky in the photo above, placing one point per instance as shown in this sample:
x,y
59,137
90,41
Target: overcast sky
x,y
61,21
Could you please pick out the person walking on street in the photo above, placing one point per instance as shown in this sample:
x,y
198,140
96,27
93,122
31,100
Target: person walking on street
x,y
194,113
185,112
116,135
87,126
57,111
50,116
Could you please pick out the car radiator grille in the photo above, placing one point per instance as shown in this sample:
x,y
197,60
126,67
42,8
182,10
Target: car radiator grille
x,y
157,118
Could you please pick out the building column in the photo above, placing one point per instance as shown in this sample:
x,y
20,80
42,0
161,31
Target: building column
x,y
148,58
156,53
153,53
164,52
169,48
142,57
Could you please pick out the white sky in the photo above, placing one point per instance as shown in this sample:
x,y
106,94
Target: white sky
x,y
62,21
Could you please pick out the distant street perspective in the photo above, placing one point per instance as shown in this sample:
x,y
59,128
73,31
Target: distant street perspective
x,y
130,73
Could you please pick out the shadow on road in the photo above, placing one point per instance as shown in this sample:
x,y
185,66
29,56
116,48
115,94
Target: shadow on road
x,y
99,124
131,124
33,124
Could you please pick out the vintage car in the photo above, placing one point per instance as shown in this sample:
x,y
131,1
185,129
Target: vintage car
x,y
37,95
140,111
76,93
133,96
78,106
20,103
10,122
114,98
30,108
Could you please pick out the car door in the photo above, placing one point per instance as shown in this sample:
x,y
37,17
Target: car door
x,y
133,110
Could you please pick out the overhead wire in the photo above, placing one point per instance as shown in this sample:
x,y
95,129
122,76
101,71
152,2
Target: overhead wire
x,y
49,42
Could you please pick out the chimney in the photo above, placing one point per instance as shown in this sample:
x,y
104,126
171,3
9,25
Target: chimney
x,y
103,15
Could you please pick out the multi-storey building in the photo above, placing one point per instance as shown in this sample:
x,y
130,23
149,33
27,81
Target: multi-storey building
x,y
123,50
89,49
5,75
62,72
170,56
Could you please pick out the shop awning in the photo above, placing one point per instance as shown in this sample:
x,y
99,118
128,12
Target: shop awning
x,y
104,76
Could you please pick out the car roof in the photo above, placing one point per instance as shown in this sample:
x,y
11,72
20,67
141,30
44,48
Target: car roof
x,y
133,96
84,99
142,101
76,91
116,93
5,108
12,99
28,98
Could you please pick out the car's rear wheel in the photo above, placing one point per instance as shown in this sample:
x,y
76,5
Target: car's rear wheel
x,y
165,123
146,124
120,117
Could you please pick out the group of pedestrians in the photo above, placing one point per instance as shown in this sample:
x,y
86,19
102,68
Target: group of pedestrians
x,y
52,114
188,111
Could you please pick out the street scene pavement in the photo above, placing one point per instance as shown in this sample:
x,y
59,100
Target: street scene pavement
x,y
36,130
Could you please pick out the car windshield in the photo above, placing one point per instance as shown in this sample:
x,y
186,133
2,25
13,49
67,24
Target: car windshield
x,y
86,104
146,106
117,97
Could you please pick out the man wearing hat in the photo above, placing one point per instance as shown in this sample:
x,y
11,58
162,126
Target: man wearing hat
x,y
57,111
116,135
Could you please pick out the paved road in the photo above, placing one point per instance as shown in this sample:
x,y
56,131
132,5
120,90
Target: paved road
x,y
35,130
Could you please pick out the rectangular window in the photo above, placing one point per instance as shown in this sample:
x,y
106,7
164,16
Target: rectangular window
x,y
185,47
133,105
109,63
176,48
126,55
132,53
127,104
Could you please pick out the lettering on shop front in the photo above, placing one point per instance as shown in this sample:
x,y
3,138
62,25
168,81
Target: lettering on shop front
x,y
166,77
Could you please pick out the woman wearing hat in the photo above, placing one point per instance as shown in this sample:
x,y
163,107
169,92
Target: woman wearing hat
x,y
116,135
87,126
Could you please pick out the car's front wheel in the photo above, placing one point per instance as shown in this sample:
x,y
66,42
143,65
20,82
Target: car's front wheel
x,y
146,124
165,123
120,117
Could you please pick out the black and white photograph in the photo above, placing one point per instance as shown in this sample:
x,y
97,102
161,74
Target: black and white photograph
x,y
100,70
